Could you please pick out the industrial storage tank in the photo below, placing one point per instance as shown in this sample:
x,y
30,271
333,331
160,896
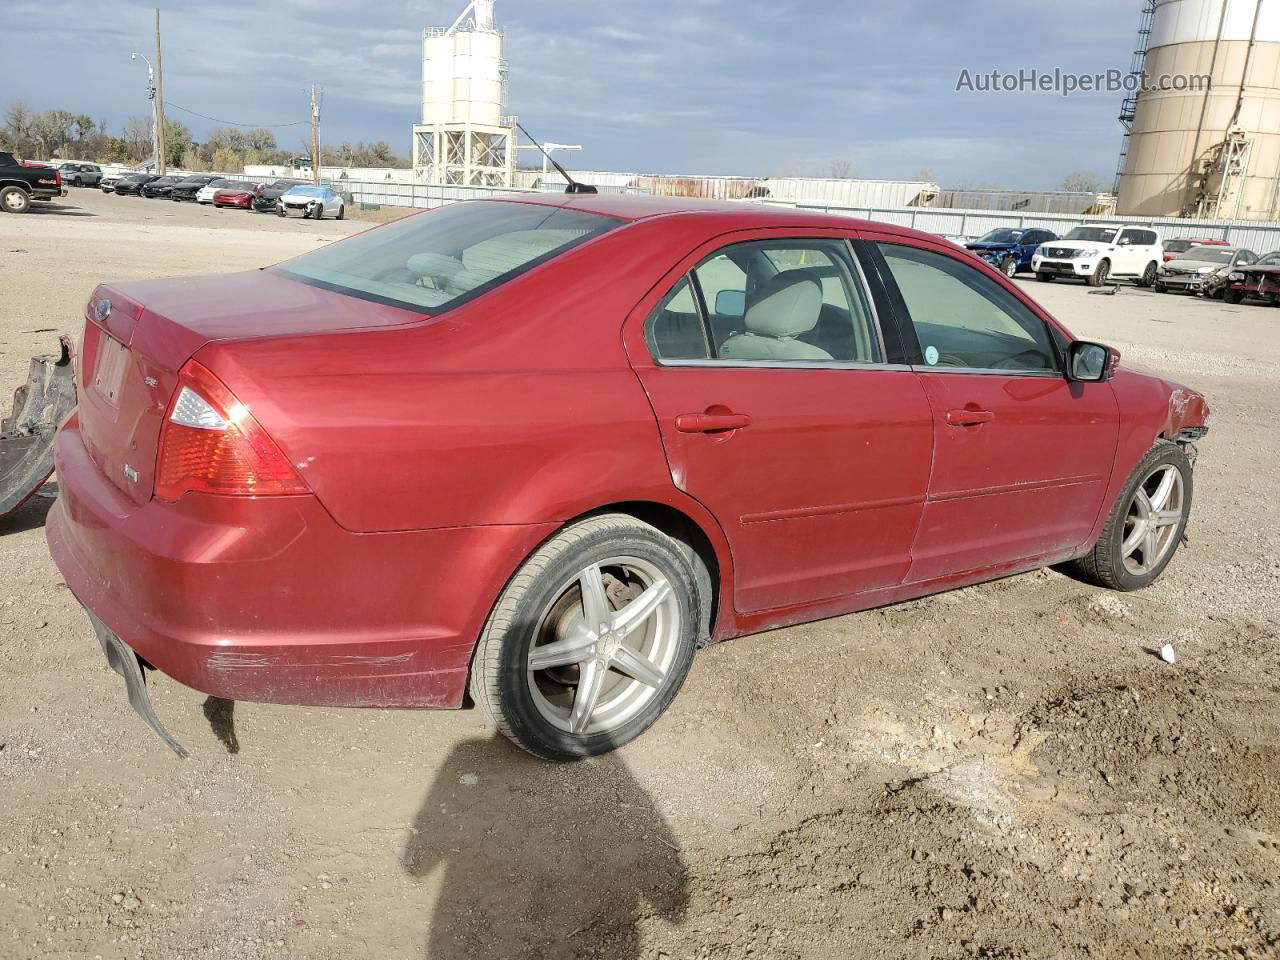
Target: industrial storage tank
x,y
464,139
1207,150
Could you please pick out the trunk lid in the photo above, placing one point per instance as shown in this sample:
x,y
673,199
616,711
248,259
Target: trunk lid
x,y
138,335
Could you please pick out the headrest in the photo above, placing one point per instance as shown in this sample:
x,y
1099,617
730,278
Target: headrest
x,y
786,305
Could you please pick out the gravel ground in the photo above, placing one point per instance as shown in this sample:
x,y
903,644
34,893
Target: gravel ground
x,y
1002,771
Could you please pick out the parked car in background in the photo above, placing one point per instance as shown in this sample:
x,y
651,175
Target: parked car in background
x,y
22,182
188,187
81,174
265,201
1097,254
534,453
132,184
1180,245
1203,270
205,193
315,202
108,182
1259,281
1010,250
240,196
159,187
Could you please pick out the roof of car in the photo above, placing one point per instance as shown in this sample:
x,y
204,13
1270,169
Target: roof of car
x,y
635,207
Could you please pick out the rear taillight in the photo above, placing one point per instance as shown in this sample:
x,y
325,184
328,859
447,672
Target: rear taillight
x,y
57,177
211,443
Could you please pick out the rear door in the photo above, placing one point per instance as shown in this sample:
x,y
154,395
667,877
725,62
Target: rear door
x,y
785,412
1022,456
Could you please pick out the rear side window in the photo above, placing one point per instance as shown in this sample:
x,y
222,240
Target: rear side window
x,y
769,301
966,320
439,260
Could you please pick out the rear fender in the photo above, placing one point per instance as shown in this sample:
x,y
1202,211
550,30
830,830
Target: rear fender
x,y
26,434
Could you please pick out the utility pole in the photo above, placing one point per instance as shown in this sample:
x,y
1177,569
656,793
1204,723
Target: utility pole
x,y
151,95
315,137
159,121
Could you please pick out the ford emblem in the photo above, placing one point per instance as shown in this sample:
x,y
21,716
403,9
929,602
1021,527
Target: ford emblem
x,y
103,310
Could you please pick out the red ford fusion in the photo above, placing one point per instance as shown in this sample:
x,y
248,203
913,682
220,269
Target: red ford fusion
x,y
241,196
530,454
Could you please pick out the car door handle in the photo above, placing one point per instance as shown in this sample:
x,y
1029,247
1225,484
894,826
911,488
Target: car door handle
x,y
969,418
711,422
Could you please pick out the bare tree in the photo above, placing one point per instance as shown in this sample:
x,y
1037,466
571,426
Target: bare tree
x,y
1082,182
843,169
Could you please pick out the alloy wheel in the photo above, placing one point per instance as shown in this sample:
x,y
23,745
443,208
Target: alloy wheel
x,y
1152,522
605,647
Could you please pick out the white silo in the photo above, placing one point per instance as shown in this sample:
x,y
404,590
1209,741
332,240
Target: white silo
x,y
463,137
1207,150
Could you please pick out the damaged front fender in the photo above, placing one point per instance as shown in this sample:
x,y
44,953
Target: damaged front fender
x,y
26,435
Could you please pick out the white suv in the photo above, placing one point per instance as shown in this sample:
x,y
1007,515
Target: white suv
x,y
1095,254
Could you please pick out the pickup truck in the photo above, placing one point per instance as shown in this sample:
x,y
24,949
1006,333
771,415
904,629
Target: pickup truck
x,y
20,183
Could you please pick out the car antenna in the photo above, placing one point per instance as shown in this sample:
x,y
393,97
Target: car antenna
x,y
574,186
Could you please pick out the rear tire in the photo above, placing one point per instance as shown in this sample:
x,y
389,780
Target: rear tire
x,y
1100,275
342,211
1122,559
582,703
1149,275
14,200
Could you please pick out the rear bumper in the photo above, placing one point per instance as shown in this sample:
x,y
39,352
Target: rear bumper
x,y
269,600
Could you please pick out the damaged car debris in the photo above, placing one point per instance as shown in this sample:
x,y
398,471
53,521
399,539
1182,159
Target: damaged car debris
x,y
26,434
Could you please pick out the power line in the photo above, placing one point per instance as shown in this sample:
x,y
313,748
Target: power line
x,y
232,123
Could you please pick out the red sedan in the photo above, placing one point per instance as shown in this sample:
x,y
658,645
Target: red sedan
x,y
532,453
240,196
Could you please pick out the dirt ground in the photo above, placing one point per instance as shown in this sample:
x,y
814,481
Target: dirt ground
x,y
1003,771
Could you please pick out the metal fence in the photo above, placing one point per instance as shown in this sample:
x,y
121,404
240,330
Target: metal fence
x,y
1259,236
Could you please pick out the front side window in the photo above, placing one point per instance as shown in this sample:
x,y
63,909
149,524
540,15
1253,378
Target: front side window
x,y
791,300
964,319
439,260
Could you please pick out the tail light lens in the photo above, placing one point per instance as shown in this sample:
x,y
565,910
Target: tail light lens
x,y
210,443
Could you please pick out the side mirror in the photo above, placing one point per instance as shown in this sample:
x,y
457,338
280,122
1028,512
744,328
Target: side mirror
x,y
731,303
1125,241
1091,362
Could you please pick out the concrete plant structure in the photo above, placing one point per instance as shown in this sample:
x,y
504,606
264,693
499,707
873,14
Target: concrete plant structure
x,y
1205,151
463,138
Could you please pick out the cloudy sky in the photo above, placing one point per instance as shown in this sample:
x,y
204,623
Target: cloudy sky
x,y
678,86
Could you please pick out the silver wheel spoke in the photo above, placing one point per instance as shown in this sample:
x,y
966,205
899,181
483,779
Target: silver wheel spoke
x,y
1161,496
1167,518
584,702
638,667
634,615
562,653
1149,547
1134,540
595,605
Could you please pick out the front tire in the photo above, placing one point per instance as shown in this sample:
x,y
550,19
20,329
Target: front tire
x,y
1044,277
590,641
1099,276
1146,523
1009,267
1149,275
1233,297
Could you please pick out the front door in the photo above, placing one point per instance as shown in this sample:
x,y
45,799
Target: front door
x,y
1022,456
780,412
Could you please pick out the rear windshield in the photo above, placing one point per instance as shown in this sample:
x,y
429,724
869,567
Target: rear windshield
x,y
1178,246
442,259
